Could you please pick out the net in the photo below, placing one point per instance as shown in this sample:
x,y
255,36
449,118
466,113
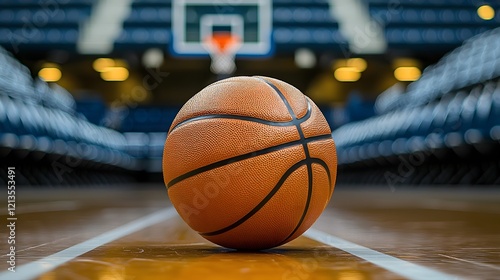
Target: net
x,y
222,47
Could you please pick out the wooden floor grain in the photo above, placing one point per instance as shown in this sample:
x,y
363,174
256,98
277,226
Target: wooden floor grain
x,y
449,230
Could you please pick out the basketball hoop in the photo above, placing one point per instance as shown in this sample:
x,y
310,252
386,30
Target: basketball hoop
x,y
222,47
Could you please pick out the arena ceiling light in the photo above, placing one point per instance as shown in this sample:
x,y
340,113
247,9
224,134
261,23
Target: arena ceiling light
x,y
115,74
305,58
50,72
407,73
486,12
347,74
102,64
112,70
359,64
153,58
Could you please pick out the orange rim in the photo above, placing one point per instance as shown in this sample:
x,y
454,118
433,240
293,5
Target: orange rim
x,y
223,40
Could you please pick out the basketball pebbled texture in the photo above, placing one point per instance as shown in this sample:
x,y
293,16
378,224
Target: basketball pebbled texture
x,y
249,163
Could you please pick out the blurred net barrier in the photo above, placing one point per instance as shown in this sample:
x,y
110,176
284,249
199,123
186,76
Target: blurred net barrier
x,y
444,129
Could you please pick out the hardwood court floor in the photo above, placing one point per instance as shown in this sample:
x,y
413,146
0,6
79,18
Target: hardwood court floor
x,y
129,233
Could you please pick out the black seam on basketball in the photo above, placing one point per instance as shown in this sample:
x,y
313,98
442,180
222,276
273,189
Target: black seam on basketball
x,y
264,201
295,120
282,97
244,118
306,152
309,193
308,200
325,166
271,194
249,155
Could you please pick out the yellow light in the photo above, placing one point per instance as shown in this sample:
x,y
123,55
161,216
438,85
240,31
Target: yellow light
x,y
101,64
407,73
50,74
486,12
357,64
347,74
115,74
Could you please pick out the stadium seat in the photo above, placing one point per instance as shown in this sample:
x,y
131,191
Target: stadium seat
x,y
36,118
452,111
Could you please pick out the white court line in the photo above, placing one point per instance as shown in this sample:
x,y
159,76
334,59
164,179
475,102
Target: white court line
x,y
390,263
37,268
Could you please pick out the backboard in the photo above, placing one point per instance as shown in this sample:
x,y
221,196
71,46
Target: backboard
x,y
193,21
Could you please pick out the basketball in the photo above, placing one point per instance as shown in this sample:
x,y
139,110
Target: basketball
x,y
249,163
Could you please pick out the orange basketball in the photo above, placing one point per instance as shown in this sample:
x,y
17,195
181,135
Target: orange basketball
x,y
249,163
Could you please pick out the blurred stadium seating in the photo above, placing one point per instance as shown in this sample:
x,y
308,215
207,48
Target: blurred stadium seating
x,y
39,122
29,24
437,23
446,124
